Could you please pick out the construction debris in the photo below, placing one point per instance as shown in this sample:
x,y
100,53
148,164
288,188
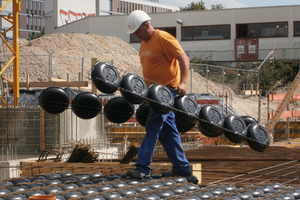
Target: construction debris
x,y
130,154
82,153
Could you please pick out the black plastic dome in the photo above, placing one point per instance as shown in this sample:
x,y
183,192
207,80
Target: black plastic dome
x,y
260,136
118,110
237,128
86,105
133,88
188,109
54,100
105,77
248,120
141,113
183,127
66,174
161,98
69,186
211,121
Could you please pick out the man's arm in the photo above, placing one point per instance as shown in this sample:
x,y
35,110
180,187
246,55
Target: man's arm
x,y
184,64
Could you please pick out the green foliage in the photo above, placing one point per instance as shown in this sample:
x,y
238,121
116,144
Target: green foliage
x,y
217,7
34,35
195,6
200,5
272,76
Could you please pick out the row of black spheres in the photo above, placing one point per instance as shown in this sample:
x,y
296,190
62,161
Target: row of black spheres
x,y
158,97
66,185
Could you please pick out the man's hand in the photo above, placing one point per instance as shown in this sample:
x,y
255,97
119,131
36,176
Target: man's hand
x,y
181,89
184,64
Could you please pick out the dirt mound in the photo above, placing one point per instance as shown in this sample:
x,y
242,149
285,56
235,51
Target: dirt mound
x,y
67,50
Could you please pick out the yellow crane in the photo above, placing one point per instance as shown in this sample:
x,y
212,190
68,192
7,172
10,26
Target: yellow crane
x,y
14,20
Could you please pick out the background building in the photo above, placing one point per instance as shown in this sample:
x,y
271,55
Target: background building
x,y
217,35
65,12
31,17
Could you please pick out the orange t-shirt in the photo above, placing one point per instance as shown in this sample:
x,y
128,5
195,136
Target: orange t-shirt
x,y
158,57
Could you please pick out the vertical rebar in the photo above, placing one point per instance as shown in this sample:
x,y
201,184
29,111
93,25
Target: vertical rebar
x,y
191,80
2,135
259,107
59,132
50,66
82,66
223,91
207,71
237,82
268,107
72,138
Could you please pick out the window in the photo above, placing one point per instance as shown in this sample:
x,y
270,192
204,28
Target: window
x,y
134,39
27,10
31,10
262,30
110,5
171,30
206,32
296,28
35,8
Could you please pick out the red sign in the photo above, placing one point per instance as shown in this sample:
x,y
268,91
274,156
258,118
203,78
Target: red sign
x,y
246,49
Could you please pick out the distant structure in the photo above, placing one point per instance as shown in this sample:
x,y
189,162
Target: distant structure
x,y
34,12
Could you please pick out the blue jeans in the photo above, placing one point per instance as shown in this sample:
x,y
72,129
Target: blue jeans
x,y
162,127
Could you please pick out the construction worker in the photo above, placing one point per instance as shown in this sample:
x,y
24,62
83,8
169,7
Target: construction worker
x,y
159,55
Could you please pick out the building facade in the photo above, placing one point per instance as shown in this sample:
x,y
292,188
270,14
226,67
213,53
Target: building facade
x,y
31,17
66,12
127,6
217,35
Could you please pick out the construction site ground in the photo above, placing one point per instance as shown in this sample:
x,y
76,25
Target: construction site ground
x,y
238,165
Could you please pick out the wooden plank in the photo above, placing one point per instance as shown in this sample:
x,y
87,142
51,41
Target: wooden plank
x,y
197,171
31,168
52,83
280,97
207,101
251,92
288,113
42,130
293,125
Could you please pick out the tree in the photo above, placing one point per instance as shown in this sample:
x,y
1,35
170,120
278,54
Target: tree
x,y
217,7
195,6
200,5
277,75
34,35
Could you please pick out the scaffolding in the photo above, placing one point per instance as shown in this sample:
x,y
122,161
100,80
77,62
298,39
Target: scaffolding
x,y
14,20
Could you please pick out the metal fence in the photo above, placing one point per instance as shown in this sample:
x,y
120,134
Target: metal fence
x,y
230,55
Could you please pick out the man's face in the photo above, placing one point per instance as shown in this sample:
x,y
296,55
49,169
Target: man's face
x,y
143,32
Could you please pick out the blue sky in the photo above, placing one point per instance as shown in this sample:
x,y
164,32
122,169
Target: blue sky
x,y
234,3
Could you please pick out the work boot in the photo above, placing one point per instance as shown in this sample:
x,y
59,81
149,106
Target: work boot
x,y
136,173
173,173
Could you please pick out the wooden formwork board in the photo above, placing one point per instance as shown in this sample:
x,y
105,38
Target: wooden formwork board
x,y
32,168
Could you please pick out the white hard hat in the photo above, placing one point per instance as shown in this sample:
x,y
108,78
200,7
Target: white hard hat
x,y
135,20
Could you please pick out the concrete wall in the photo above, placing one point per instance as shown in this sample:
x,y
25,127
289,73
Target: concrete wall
x,y
116,26
20,129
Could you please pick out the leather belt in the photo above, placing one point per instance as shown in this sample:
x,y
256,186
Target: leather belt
x,y
173,88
